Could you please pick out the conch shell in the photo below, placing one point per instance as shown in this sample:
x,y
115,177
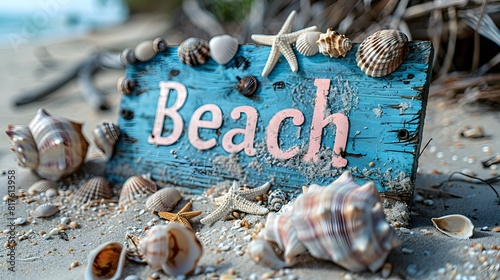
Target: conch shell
x,y
334,44
52,146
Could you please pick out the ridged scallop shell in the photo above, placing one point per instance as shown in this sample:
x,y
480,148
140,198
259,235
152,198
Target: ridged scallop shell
x,y
163,200
125,85
60,145
174,248
105,137
44,211
106,262
247,85
95,188
334,44
306,43
456,226
42,186
382,52
134,188
276,200
194,51
223,48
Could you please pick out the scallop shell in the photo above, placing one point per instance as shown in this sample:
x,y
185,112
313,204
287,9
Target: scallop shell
x,y
334,44
106,262
456,226
95,188
44,211
23,146
247,85
382,52
306,43
276,200
223,48
135,187
42,186
125,85
163,200
194,51
127,56
105,137
145,51
174,248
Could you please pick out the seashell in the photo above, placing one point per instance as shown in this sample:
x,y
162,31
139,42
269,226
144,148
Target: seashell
x,y
125,85
133,253
174,248
95,188
159,45
59,144
334,44
105,137
41,186
163,200
193,51
263,252
306,43
145,51
135,187
456,226
276,200
247,85
127,56
382,52
106,262
44,211
223,48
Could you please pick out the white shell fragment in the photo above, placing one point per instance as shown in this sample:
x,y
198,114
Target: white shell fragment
x,y
223,48
106,262
334,44
456,226
306,43
44,211
105,137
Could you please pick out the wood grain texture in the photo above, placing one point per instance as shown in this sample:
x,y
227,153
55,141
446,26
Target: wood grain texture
x,y
386,117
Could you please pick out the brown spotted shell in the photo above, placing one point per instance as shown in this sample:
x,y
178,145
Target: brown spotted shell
x,y
382,52
44,211
105,137
163,200
194,51
95,188
134,188
247,85
334,44
42,186
306,43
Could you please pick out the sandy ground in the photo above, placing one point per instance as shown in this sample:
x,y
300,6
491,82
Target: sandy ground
x,y
423,254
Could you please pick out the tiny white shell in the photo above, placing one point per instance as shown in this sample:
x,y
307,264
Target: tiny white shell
x,y
163,200
42,186
44,211
106,262
223,48
134,188
306,43
95,188
456,226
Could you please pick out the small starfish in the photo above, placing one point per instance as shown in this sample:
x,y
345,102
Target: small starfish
x,y
237,199
281,44
182,216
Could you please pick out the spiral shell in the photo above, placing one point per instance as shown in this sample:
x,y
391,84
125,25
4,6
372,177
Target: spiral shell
x,y
95,188
174,248
125,85
163,200
42,186
247,85
276,200
223,48
159,45
23,146
194,51
127,57
44,211
105,137
134,188
106,262
382,52
306,43
334,44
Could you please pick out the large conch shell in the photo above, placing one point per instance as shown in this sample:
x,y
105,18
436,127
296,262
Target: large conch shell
x,y
456,226
342,222
106,262
52,146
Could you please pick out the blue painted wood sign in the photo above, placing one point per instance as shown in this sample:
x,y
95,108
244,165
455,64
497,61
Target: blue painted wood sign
x,y
191,127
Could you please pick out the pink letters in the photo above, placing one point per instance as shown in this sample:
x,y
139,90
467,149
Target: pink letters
x,y
249,131
196,122
273,130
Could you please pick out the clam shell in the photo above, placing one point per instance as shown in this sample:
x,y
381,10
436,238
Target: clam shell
x,y
95,188
44,211
334,44
134,188
382,52
23,146
194,51
145,51
106,262
42,186
105,137
247,85
276,200
163,200
223,48
125,85
174,248
306,43
456,226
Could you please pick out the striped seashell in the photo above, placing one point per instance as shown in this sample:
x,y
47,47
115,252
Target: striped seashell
x,y
95,188
42,186
105,137
127,57
223,48
306,43
44,211
174,248
247,85
60,145
194,51
106,262
163,200
276,200
134,188
133,253
382,52
334,44
125,85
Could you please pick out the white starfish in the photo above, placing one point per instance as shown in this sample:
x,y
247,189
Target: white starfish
x,y
281,44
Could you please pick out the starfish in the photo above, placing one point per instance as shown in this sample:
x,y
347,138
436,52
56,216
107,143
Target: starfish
x,y
182,216
280,43
237,199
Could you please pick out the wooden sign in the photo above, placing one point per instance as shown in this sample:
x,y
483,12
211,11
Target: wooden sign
x,y
191,127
